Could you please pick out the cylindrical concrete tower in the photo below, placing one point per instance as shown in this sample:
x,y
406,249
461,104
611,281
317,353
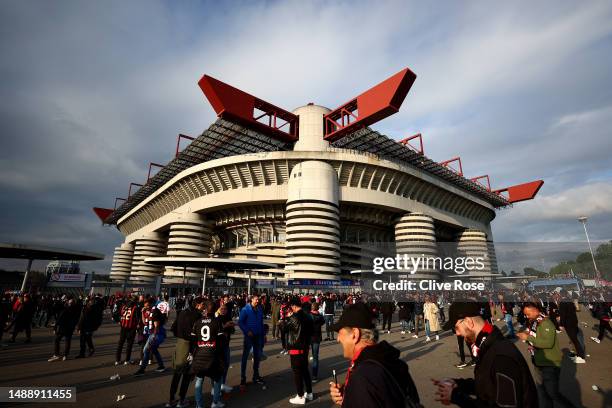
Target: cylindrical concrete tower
x,y
148,245
311,128
313,220
190,235
473,243
122,262
415,236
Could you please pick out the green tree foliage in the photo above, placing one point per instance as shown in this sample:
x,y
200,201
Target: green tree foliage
x,y
583,265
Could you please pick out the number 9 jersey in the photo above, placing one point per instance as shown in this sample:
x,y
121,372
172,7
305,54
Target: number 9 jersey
x,y
207,334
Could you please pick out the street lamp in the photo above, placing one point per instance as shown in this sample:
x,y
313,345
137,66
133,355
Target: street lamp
x,y
583,220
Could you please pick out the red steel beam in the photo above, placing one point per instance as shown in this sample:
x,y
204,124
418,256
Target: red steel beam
x,y
103,213
232,103
371,106
130,189
406,142
486,177
521,192
161,166
447,163
178,142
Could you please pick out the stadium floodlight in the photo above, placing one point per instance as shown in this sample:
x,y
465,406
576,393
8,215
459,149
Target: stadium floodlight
x,y
583,219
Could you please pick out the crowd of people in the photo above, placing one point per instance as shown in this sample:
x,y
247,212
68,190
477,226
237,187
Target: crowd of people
x,y
204,325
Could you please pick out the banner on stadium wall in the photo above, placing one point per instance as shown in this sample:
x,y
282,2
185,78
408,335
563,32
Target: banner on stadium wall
x,y
67,277
323,282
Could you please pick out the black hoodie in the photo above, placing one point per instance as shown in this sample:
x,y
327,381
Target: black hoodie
x,y
379,379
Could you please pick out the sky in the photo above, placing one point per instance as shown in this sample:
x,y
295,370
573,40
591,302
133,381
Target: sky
x,y
94,91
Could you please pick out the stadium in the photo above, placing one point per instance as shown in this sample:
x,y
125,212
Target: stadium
x,y
314,191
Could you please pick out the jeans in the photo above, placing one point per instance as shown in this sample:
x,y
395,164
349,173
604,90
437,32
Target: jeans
x,y
549,389
151,347
405,325
329,320
315,359
216,391
427,331
251,343
301,376
42,317
509,325
226,356
572,333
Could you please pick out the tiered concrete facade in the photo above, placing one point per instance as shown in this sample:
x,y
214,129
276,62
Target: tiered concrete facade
x,y
189,236
317,211
122,262
415,236
147,245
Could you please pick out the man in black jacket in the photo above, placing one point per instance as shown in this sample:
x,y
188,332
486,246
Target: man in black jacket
x,y
568,320
299,327
181,328
377,376
501,376
64,327
89,322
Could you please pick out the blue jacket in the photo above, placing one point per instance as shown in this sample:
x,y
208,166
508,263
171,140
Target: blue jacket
x,y
251,319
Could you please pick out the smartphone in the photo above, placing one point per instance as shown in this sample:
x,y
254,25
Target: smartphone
x,y
335,377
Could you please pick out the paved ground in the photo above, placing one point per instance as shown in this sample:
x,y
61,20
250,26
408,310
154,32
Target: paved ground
x,y
26,365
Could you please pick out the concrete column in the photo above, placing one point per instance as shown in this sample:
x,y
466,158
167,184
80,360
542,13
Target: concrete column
x,y
190,236
148,245
415,236
122,262
473,243
313,218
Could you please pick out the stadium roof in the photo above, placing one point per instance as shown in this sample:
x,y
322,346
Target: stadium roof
x,y
222,139
368,140
38,252
226,138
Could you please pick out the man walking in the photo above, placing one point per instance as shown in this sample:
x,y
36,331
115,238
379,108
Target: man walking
x,y
299,331
129,321
545,353
156,334
182,329
329,310
64,328
251,324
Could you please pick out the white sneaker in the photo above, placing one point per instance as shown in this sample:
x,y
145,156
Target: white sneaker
x,y
117,363
596,340
403,332
388,331
309,396
217,405
437,337
297,400
427,339
579,360
226,388
415,336
54,358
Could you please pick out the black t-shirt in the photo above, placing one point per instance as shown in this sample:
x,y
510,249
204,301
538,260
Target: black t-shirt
x,y
207,335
